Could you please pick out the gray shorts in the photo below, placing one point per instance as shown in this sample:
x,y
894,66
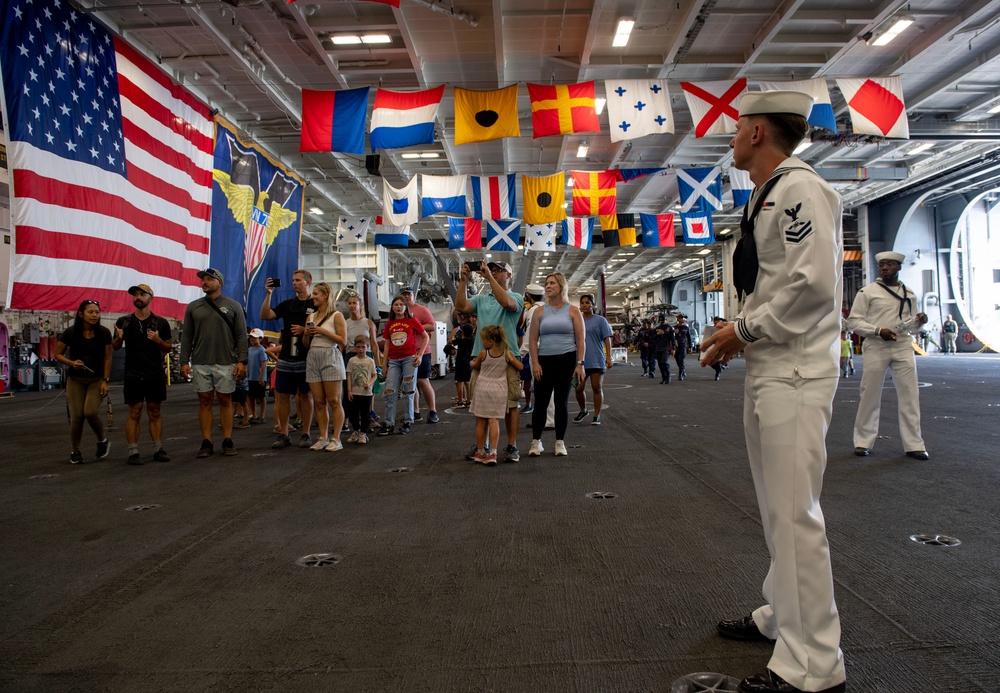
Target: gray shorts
x,y
325,365
216,376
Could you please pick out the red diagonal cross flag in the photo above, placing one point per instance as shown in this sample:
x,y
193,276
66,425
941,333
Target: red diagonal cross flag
x,y
712,105
876,106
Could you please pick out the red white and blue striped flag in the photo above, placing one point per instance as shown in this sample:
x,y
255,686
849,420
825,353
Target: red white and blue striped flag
x,y
404,118
111,167
494,197
578,232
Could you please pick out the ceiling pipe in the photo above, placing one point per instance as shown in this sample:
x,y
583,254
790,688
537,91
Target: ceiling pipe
x,y
451,12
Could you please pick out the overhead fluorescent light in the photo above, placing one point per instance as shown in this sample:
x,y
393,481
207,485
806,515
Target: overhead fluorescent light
x,y
411,155
582,150
315,210
892,32
804,145
704,251
995,109
920,148
421,155
354,39
599,105
623,31
430,155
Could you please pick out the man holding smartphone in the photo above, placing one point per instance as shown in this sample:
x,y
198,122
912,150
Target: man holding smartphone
x,y
502,307
290,377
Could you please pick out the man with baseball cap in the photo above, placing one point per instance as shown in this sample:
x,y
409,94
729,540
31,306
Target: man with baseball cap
x,y
884,312
425,318
146,338
788,266
500,306
214,345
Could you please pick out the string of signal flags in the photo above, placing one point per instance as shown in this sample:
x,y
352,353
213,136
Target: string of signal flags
x,y
494,210
334,121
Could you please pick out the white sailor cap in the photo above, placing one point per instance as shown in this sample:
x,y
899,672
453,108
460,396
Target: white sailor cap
x,y
890,255
780,101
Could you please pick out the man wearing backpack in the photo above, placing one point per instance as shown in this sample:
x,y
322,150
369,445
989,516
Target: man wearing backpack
x,y
214,351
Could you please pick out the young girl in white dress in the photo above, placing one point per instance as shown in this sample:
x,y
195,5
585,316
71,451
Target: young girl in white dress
x,y
489,398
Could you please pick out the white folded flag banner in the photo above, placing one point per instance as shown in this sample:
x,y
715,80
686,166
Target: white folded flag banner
x,y
638,107
399,207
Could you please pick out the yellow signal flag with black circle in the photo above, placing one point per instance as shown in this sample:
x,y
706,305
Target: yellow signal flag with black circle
x,y
481,116
544,198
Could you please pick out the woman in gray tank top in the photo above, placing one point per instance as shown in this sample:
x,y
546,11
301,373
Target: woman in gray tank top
x,y
557,346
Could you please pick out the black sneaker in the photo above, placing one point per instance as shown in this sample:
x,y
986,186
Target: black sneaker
x,y
161,456
228,449
417,416
584,413
134,459
511,454
76,457
433,417
384,430
206,449
283,441
103,448
471,454
404,429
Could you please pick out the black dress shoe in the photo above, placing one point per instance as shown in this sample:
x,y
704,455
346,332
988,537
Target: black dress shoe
x,y
741,629
918,454
862,452
769,682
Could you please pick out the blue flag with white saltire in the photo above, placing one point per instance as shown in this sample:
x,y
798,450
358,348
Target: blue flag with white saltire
x,y
503,235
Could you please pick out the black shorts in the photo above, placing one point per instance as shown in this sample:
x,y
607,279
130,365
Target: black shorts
x,y
239,395
256,390
139,389
590,371
424,370
525,374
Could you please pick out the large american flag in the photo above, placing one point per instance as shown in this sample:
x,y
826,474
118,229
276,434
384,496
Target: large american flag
x,y
111,167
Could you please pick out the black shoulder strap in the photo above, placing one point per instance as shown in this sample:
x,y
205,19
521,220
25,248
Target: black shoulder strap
x,y
232,326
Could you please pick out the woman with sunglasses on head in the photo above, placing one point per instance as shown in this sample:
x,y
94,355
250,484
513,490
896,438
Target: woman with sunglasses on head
x,y
89,346
557,344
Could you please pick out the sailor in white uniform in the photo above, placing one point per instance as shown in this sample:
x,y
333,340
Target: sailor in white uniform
x,y
884,312
788,264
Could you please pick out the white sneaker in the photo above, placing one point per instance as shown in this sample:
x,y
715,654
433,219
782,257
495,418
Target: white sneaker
x,y
320,444
560,449
536,448
354,437
334,446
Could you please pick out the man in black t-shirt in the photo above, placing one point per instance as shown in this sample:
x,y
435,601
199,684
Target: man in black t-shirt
x,y
290,375
146,338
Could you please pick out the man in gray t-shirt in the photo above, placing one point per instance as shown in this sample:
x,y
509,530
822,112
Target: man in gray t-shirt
x,y
214,346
